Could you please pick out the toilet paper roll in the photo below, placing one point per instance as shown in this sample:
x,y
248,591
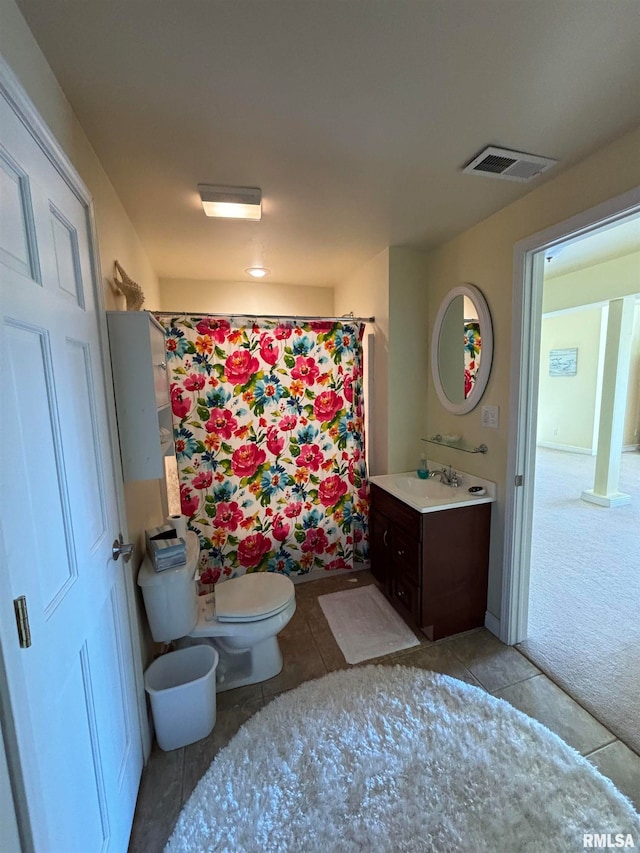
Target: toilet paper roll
x,y
180,524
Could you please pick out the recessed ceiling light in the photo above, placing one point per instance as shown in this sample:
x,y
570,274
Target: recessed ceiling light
x,y
231,202
258,272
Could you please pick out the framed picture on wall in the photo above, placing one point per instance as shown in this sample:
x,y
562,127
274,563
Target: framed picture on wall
x,y
563,362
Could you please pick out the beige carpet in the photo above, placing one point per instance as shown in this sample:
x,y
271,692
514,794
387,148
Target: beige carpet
x,y
584,610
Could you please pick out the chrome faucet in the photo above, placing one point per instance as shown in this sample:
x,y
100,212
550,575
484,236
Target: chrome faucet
x,y
448,476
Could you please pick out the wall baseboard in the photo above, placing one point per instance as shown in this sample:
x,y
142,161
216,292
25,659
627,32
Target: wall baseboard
x,y
492,623
570,448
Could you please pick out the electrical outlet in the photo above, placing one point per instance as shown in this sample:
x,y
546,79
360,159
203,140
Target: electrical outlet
x,y
490,417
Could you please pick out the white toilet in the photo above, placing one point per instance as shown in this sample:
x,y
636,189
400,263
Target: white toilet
x,y
241,619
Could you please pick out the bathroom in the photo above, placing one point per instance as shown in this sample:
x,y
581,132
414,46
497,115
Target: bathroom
x,y
400,287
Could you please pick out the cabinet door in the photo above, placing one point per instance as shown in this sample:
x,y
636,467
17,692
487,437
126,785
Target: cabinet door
x,y
143,404
379,546
405,597
159,365
405,557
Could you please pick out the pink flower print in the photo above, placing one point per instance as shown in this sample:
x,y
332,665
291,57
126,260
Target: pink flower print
x,y
288,422
194,382
210,575
275,442
240,366
216,329
310,457
268,349
315,541
280,529
252,549
293,510
246,459
282,332
321,327
331,490
326,405
338,563
179,406
348,388
189,502
228,515
202,480
222,422
467,383
306,370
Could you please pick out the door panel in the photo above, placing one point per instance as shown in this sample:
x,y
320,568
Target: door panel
x,y
75,711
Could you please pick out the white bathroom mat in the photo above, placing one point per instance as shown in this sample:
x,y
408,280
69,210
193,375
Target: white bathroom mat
x,y
364,624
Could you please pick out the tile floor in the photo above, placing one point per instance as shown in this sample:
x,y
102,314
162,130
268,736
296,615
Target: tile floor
x,y
310,651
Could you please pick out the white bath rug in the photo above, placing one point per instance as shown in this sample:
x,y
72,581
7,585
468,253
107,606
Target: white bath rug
x,y
390,758
364,624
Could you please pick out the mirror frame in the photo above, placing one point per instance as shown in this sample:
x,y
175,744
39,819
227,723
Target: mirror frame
x,y
486,333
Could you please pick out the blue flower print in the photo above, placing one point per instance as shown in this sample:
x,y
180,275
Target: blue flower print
x,y
268,391
301,346
186,445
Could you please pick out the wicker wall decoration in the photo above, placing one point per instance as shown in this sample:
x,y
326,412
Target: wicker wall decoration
x,y
129,288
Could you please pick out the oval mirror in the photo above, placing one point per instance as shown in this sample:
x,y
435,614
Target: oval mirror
x,y
461,349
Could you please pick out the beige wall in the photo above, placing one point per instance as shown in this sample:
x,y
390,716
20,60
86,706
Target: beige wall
x,y
631,433
117,238
260,297
598,283
483,255
408,358
392,288
366,293
567,405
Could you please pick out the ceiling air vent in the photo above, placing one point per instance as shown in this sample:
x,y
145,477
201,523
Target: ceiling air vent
x,y
508,165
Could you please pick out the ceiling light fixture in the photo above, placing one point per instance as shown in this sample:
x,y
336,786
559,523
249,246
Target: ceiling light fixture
x,y
258,272
231,202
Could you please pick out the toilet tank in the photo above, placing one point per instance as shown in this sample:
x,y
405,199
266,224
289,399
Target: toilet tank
x,y
171,597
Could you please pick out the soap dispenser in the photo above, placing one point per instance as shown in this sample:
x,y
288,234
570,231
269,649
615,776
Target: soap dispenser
x,y
423,471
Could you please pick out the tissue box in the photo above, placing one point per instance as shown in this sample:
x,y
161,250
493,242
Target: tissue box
x,y
164,548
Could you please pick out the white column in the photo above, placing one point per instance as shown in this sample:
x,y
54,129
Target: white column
x,y
617,357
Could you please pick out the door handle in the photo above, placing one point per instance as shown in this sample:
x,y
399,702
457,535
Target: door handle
x,y
384,539
119,549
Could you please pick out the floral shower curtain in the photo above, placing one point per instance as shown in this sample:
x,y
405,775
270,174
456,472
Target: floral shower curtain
x,y
472,347
268,425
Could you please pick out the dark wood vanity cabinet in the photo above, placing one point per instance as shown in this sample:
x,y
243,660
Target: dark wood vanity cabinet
x,y
432,566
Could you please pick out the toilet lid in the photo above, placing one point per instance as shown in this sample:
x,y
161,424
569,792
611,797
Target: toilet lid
x,y
253,596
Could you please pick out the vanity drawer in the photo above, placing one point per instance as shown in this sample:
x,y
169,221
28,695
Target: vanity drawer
x,y
399,514
405,554
405,597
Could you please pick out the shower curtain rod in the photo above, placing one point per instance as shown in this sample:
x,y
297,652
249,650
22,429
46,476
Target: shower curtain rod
x,y
344,317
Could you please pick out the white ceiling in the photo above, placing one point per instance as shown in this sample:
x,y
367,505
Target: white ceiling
x,y
603,244
353,116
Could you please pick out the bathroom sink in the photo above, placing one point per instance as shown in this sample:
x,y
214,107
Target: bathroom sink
x,y
431,495
427,489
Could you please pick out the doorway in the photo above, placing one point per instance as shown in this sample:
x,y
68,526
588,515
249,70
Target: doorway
x,y
527,366
584,590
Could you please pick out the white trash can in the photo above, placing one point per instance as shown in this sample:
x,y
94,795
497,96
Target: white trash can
x,y
182,689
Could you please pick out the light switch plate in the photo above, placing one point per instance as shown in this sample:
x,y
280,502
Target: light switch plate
x,y
490,417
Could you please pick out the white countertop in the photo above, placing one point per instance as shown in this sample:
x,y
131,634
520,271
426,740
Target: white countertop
x,y
431,495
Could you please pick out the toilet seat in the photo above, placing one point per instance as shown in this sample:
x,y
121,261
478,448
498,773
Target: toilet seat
x,y
252,597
